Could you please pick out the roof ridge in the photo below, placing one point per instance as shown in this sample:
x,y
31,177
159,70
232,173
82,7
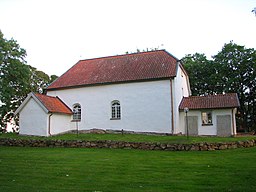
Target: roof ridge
x,y
44,95
211,95
127,54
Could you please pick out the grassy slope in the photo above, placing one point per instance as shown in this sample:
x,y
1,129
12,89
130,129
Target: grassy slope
x,y
134,138
67,169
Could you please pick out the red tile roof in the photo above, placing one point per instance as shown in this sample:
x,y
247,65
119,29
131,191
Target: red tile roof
x,y
229,100
53,104
122,68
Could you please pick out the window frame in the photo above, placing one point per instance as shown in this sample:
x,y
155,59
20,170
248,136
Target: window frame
x,y
206,117
77,115
115,110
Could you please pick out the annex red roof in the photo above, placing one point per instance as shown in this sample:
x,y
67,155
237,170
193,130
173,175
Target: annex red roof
x,y
229,100
53,104
122,68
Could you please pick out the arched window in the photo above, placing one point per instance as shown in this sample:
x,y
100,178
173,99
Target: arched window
x,y
77,112
116,109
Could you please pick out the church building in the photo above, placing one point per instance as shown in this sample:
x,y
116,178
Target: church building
x,y
139,92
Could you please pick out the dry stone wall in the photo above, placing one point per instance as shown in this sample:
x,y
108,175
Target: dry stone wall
x,y
128,145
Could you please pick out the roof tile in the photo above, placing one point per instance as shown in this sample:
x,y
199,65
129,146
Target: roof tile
x,y
53,104
228,100
122,68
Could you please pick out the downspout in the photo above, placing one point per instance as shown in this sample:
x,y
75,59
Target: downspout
x,y
49,124
233,125
172,115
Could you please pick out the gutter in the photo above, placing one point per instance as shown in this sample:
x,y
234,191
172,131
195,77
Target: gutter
x,y
49,124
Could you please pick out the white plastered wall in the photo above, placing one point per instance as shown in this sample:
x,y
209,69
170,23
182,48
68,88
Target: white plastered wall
x,y
33,119
208,129
59,123
181,88
145,106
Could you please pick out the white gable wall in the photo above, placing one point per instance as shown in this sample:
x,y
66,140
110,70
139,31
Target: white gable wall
x,y
180,89
145,106
33,119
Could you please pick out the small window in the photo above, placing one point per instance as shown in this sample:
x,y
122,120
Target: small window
x,y
77,112
207,118
115,110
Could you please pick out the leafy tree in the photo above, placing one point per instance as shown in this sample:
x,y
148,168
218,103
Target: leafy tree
x,y
17,79
237,66
233,69
201,74
40,80
53,78
14,78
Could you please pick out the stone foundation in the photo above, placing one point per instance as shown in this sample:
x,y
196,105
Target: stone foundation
x,y
128,145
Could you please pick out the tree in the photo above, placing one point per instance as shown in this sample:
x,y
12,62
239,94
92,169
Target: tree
x,y
202,74
233,69
237,66
17,79
40,80
14,78
53,78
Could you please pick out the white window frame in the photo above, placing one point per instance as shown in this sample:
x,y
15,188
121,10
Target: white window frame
x,y
115,110
77,112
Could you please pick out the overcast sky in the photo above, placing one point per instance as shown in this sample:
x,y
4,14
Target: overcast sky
x,y
58,33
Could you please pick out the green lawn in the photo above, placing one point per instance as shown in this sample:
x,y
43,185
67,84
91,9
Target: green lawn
x,y
133,138
77,169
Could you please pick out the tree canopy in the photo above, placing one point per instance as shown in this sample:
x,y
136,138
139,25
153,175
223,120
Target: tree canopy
x,y
14,77
233,69
17,79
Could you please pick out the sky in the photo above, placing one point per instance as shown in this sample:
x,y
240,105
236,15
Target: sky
x,y
58,33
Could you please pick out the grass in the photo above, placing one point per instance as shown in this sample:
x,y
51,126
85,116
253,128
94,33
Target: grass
x,y
134,138
74,169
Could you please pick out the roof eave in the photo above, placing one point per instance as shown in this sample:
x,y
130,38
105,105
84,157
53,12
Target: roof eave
x,y
57,112
210,108
110,83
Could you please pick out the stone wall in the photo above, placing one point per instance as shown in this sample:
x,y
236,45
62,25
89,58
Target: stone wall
x,y
128,145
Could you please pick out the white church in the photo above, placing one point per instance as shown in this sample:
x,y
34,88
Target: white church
x,y
139,92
